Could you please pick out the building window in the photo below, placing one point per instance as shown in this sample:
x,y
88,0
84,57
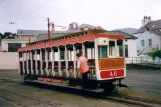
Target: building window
x,y
125,40
13,47
142,43
150,42
126,50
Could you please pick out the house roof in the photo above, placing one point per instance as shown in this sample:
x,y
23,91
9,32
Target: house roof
x,y
129,31
80,28
52,35
43,36
153,25
30,32
126,35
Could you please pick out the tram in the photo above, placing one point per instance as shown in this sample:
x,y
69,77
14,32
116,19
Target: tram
x,y
54,60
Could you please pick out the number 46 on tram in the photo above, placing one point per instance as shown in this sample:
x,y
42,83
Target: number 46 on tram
x,y
54,60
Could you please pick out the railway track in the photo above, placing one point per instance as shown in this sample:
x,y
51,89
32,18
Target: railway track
x,y
48,103
128,100
135,101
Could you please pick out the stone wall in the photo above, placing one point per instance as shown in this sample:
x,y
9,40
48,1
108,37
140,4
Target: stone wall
x,y
8,60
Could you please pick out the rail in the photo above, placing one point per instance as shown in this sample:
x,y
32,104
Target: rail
x,y
127,100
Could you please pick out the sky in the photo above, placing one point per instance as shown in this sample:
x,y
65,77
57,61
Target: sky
x,y
109,14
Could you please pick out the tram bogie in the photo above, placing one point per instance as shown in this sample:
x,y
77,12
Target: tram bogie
x,y
54,60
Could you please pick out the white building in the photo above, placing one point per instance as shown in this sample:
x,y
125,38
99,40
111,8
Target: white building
x,y
12,45
148,36
130,43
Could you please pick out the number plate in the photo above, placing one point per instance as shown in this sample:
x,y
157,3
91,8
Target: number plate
x,y
112,73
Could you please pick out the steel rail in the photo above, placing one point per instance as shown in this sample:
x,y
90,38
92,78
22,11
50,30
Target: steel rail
x,y
32,98
128,100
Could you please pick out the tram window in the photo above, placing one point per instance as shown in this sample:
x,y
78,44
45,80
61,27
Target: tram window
x,y
102,51
90,53
62,55
120,48
43,55
112,48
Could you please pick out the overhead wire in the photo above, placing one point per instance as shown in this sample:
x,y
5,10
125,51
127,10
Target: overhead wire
x,y
35,10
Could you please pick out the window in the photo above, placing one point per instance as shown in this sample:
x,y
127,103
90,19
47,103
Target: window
x,y
112,48
90,53
119,48
62,55
13,47
126,50
142,43
102,51
150,42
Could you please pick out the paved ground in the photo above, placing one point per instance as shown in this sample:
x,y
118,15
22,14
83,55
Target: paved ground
x,y
144,81
60,99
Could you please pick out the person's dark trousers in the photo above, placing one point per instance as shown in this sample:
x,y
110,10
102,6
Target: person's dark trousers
x,y
85,78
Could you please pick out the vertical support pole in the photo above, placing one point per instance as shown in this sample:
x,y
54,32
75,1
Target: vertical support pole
x,y
41,62
46,61
83,49
19,61
32,70
124,48
48,28
116,48
36,62
96,60
74,50
27,63
59,63
66,62
53,59
23,62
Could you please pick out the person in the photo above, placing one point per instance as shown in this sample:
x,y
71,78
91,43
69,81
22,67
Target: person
x,y
82,67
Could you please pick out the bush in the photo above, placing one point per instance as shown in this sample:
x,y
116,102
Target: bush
x,y
155,53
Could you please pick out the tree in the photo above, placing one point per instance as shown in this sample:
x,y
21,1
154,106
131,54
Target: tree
x,y
8,35
1,35
155,53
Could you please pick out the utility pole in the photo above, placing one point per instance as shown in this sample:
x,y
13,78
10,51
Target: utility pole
x,y
48,28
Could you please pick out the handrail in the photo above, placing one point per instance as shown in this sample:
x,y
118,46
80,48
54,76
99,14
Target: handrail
x,y
141,52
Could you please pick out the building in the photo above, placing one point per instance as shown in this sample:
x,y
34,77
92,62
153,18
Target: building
x,y
130,43
12,45
148,36
73,28
29,34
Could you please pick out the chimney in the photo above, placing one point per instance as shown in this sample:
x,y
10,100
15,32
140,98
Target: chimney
x,y
145,20
52,28
73,25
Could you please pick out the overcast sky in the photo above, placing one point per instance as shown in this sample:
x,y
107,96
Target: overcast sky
x,y
109,14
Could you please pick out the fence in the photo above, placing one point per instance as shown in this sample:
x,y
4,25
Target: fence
x,y
143,60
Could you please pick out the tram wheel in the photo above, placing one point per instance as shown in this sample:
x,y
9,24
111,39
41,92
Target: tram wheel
x,y
109,88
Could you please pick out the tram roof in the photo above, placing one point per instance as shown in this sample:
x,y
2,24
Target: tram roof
x,y
72,38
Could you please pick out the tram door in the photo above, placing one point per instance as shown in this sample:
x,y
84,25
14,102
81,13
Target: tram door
x,y
90,54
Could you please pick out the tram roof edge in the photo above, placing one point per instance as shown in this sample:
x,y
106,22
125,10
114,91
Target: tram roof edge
x,y
89,32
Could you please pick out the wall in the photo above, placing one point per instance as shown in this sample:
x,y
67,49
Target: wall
x,y
132,50
4,43
156,40
26,37
8,60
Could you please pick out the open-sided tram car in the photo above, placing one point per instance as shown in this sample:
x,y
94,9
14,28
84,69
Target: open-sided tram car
x,y
54,60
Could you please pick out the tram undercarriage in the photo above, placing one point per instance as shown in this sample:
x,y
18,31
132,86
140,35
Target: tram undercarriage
x,y
108,86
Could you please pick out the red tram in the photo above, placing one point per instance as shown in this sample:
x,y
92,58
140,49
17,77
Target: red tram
x,y
54,60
